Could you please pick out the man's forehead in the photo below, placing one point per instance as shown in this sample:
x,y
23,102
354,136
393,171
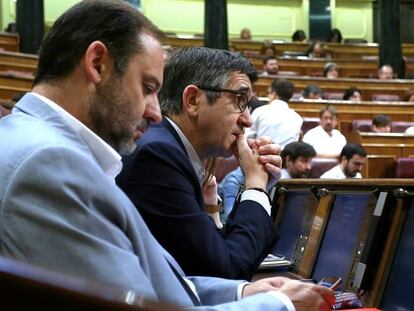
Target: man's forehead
x,y
239,81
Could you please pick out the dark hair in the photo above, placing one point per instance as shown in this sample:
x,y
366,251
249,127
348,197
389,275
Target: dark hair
x,y
283,88
330,108
335,35
298,35
311,47
200,66
349,92
267,46
311,88
349,150
328,67
297,149
115,23
381,120
266,59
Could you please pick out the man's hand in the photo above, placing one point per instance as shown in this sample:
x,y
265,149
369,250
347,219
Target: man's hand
x,y
304,296
254,171
210,191
264,285
211,198
269,157
307,296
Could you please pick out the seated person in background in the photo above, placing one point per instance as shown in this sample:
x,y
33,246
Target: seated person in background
x,y
268,49
312,91
381,123
409,96
270,66
205,100
327,141
299,36
352,93
351,161
246,34
62,210
335,36
296,163
316,50
275,120
330,71
386,72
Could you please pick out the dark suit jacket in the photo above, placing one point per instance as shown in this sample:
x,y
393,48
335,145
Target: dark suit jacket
x,y
161,181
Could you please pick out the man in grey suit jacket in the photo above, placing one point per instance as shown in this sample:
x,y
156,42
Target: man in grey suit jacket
x,y
100,67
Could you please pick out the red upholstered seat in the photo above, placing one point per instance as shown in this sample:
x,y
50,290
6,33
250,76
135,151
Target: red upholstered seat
x,y
404,168
362,125
385,97
309,123
334,96
320,166
400,126
225,166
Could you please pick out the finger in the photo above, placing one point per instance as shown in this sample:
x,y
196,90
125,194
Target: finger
x,y
327,294
273,170
269,149
242,146
251,142
264,140
271,159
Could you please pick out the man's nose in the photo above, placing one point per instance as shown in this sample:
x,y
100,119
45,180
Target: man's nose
x,y
153,111
246,118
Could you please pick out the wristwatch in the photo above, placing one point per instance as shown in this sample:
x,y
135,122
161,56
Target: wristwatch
x,y
214,208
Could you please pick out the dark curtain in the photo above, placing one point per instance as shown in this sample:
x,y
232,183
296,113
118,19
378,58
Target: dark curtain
x,y
30,24
215,24
390,36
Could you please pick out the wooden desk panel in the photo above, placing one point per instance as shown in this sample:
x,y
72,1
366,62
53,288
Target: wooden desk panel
x,y
368,87
385,144
9,41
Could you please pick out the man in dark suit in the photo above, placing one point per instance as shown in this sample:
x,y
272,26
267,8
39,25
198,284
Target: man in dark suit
x,y
204,99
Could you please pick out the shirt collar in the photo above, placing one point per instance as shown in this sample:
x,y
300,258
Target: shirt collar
x,y
108,159
192,154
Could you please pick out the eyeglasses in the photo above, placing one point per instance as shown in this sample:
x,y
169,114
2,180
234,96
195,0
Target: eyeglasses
x,y
243,101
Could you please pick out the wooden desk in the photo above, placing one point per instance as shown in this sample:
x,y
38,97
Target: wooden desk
x,y
9,41
18,61
11,85
377,235
368,87
337,51
386,144
349,111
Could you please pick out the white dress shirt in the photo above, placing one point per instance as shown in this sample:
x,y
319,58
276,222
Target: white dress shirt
x,y
323,143
337,173
106,156
277,121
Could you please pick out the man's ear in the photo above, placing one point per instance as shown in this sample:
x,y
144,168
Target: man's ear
x,y
97,62
191,100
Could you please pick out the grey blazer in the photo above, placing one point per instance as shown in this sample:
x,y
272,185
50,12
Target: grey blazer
x,y
58,210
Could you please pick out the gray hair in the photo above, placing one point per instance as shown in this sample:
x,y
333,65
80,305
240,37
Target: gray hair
x,y
203,67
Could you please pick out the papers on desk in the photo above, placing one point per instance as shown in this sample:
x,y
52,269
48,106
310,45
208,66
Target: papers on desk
x,y
272,261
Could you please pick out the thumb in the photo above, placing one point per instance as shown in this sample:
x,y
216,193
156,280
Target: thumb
x,y
242,146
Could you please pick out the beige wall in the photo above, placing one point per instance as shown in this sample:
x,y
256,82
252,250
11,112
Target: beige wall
x,y
268,19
